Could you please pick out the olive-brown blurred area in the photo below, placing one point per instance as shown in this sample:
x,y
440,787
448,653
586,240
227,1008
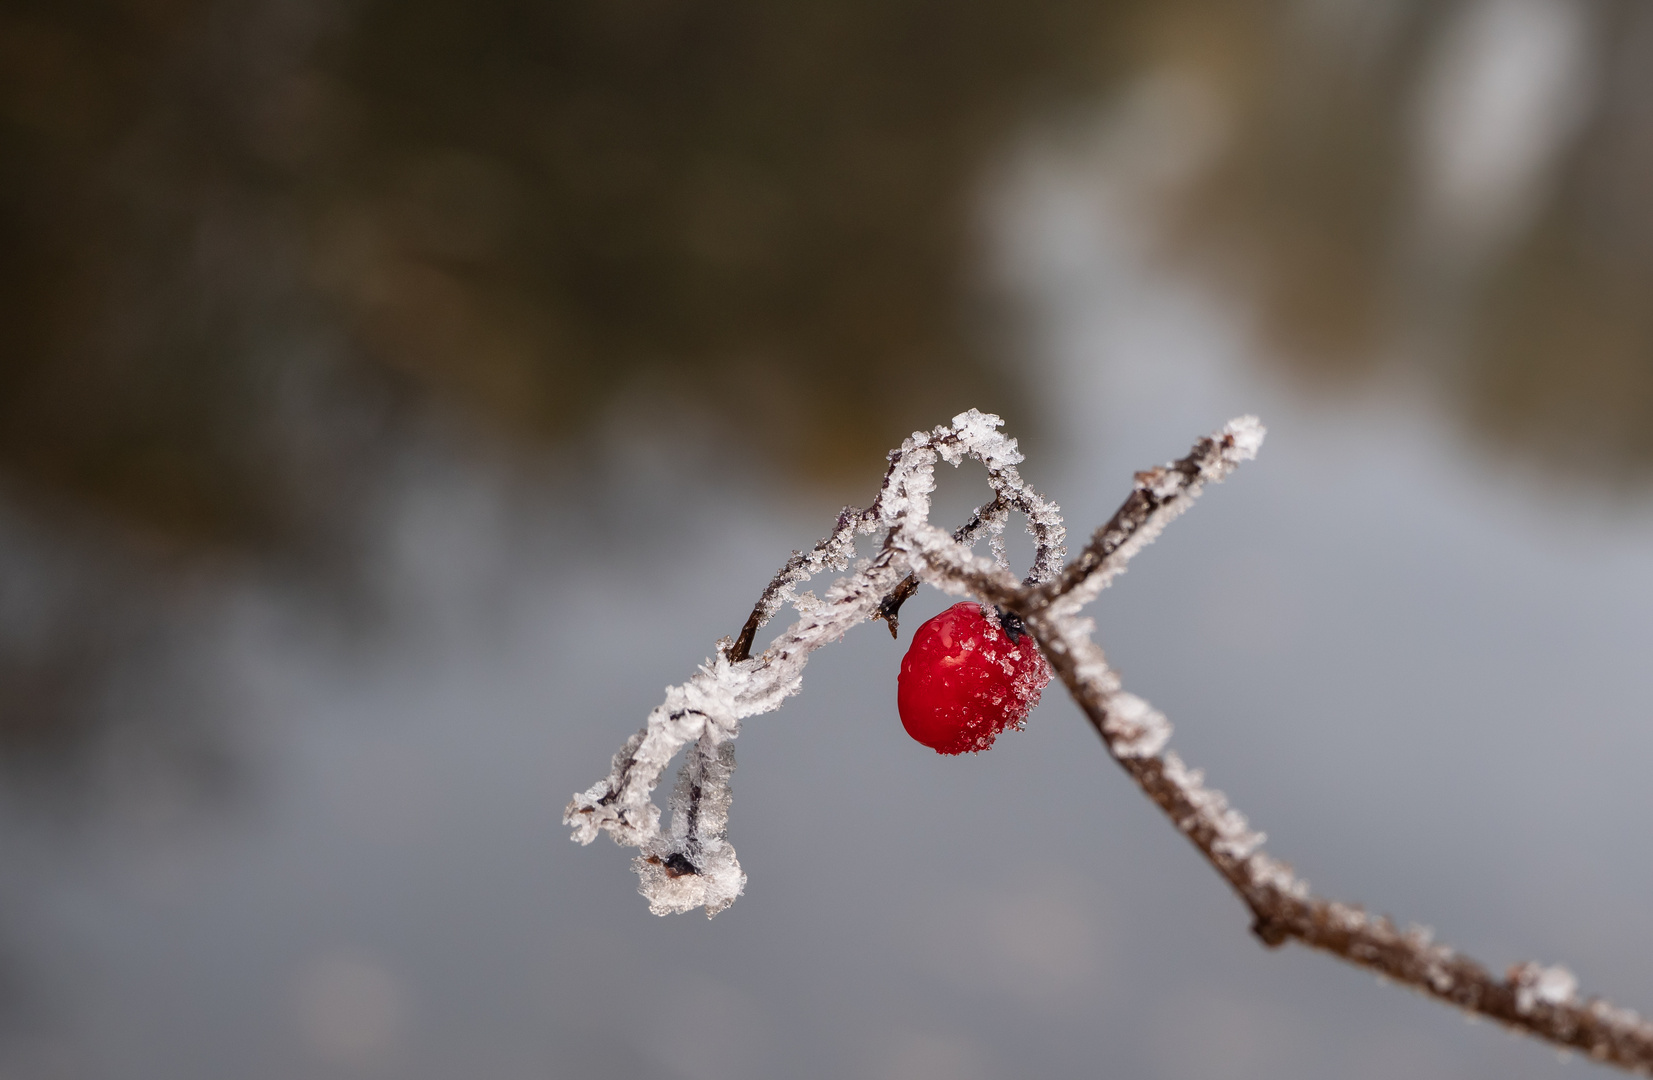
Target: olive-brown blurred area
x,y
242,244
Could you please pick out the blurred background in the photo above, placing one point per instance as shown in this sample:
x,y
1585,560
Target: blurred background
x,y
395,396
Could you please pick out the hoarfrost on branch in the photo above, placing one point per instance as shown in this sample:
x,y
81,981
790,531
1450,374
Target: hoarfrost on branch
x,y
692,865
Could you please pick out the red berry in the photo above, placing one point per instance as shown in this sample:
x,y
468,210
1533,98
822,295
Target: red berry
x,y
966,677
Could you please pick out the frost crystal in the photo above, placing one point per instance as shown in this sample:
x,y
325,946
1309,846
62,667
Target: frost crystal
x,y
1230,836
1247,433
1134,727
1535,985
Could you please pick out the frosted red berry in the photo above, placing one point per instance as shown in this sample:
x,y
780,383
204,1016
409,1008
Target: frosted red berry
x,y
965,678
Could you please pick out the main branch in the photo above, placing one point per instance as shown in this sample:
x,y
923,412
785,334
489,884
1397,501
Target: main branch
x,y
694,866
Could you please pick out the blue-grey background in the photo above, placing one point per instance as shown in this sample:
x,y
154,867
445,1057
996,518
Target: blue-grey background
x,y
305,821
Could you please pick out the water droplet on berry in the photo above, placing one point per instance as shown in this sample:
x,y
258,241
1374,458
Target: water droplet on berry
x,y
966,677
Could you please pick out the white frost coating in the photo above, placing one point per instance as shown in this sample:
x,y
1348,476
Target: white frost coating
x,y
1234,836
1536,985
1420,939
1348,919
1174,491
833,553
700,816
1627,1022
1267,872
694,866
946,563
1135,729
1248,433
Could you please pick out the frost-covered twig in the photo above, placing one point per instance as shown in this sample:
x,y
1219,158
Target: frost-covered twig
x,y
1542,1001
694,866
690,867
1159,495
